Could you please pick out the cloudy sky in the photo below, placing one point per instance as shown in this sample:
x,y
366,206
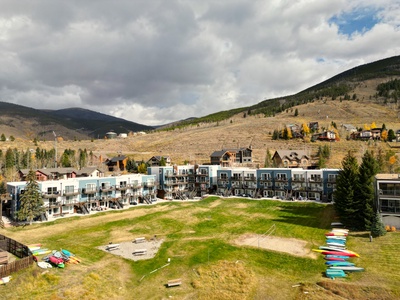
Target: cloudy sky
x,y
158,61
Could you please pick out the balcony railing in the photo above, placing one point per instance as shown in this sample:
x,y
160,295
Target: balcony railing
x,y
54,194
71,192
89,191
298,179
389,193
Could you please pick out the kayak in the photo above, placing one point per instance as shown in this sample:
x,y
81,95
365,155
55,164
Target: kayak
x,y
67,253
339,263
350,254
348,268
334,233
331,273
334,258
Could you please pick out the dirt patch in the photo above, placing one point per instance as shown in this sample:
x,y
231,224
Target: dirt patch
x,y
135,251
291,246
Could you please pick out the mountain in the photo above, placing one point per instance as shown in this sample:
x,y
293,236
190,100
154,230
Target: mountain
x,y
358,84
343,85
71,123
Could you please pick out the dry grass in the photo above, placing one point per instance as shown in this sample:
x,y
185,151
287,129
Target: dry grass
x,y
224,280
196,143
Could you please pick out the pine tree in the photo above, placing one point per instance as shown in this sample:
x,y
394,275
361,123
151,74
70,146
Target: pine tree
x,y
364,196
345,190
377,227
31,205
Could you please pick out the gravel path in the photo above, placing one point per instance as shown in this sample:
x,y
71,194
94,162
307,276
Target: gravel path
x,y
132,250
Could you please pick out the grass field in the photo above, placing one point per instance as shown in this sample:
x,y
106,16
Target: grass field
x,y
198,240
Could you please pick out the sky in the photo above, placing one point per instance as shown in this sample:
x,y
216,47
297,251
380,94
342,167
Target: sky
x,y
158,61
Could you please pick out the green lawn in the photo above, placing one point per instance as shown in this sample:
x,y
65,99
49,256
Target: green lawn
x,y
198,240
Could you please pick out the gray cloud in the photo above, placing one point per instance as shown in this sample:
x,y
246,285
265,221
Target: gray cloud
x,y
154,62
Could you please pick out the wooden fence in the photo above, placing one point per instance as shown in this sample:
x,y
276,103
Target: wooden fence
x,y
19,250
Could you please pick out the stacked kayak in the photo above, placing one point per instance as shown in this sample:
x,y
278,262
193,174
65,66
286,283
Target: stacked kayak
x,y
337,255
52,258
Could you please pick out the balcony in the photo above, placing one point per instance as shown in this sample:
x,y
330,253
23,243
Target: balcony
x,y
250,179
315,179
391,192
281,179
71,192
105,189
121,187
265,179
90,191
53,194
298,179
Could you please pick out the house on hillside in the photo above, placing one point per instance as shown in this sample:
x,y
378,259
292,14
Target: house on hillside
x,y
229,157
376,133
350,128
327,135
117,163
292,159
156,160
398,135
89,172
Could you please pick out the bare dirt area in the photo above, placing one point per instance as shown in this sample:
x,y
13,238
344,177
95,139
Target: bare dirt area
x,y
291,246
134,250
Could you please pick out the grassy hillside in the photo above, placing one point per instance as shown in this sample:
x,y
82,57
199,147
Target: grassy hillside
x,y
199,239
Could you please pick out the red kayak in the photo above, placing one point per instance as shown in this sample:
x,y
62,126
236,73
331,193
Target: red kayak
x,y
56,260
335,234
334,258
339,253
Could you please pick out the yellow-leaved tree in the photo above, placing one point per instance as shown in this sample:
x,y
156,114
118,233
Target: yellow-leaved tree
x,y
366,127
305,129
384,135
373,125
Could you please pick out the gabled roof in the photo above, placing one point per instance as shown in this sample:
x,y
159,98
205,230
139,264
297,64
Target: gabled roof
x,y
231,150
291,154
117,158
86,171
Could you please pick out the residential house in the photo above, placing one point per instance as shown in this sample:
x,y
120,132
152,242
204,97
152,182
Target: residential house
x,y
349,127
292,159
231,157
117,163
327,135
376,133
156,160
398,135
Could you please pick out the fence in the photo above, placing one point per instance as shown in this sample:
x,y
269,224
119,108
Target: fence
x,y
19,250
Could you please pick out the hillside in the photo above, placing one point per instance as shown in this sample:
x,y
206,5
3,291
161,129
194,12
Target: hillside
x,y
195,139
196,143
73,123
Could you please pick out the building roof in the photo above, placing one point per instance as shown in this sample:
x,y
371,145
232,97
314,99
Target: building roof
x,y
86,171
291,154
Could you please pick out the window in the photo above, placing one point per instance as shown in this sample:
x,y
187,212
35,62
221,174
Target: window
x,y
281,176
69,189
122,183
52,190
91,187
224,176
265,176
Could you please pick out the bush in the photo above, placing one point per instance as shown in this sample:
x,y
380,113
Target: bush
x,y
377,227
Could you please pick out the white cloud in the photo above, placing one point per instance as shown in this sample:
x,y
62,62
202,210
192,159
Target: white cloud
x,y
154,62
